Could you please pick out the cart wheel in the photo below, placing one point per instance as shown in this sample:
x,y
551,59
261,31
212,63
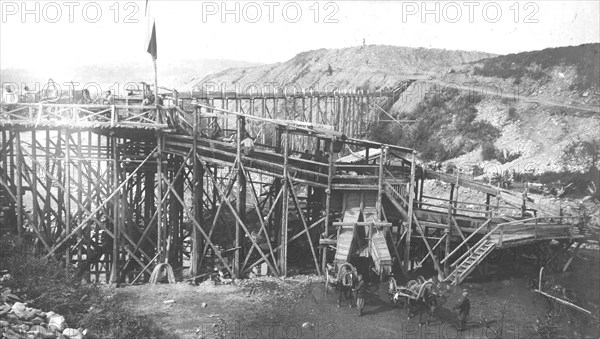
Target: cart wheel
x,y
402,302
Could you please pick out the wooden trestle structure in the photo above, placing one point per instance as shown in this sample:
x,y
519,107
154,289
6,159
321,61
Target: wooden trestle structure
x,y
115,190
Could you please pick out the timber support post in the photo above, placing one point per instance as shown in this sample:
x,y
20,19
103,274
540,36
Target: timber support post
x,y
411,193
241,196
284,206
114,272
160,225
197,193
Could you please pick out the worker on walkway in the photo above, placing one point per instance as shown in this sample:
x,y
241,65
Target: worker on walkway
x,y
86,99
28,95
248,144
148,99
463,307
10,97
319,157
109,99
216,133
306,155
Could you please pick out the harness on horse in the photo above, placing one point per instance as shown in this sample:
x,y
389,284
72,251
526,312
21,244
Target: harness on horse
x,y
346,279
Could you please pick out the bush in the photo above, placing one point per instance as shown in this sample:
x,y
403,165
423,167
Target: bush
x,y
445,126
509,157
507,101
512,114
581,154
108,313
504,179
523,176
451,169
477,170
580,183
535,64
488,152
52,287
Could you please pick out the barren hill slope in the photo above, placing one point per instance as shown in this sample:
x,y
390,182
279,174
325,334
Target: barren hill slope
x,y
370,66
540,101
520,104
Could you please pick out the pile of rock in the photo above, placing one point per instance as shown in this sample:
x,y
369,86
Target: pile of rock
x,y
17,320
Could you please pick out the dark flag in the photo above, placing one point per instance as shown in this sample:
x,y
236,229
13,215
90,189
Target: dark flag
x,y
151,46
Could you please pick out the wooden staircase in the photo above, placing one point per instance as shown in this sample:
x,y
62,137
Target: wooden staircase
x,y
396,198
505,232
466,264
468,261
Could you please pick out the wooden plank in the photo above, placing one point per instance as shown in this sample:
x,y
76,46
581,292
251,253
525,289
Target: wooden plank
x,y
302,218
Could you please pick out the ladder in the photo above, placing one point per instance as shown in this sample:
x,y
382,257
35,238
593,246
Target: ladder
x,y
466,266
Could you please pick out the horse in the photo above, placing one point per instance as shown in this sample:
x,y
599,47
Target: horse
x,y
396,299
427,303
347,281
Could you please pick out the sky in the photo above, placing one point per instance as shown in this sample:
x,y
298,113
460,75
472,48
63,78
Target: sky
x,y
63,34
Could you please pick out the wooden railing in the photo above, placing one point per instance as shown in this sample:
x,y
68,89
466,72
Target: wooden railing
x,y
446,258
489,211
535,224
85,115
396,194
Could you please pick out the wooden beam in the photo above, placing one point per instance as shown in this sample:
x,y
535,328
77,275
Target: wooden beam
x,y
197,192
235,215
19,184
409,212
98,208
448,232
302,218
299,234
114,272
199,227
241,195
284,206
262,219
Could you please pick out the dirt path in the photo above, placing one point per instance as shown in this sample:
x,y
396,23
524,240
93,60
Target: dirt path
x,y
503,94
246,312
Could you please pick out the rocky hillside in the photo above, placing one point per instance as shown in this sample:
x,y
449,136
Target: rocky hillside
x,y
541,102
369,66
517,111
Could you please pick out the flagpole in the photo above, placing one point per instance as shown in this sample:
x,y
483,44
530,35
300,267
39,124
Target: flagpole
x,y
156,88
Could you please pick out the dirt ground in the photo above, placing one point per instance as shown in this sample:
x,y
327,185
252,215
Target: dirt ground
x,y
297,307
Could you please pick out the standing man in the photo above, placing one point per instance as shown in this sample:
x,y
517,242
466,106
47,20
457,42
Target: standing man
x,y
464,307
346,285
148,99
10,97
86,99
360,291
248,144
109,99
305,155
